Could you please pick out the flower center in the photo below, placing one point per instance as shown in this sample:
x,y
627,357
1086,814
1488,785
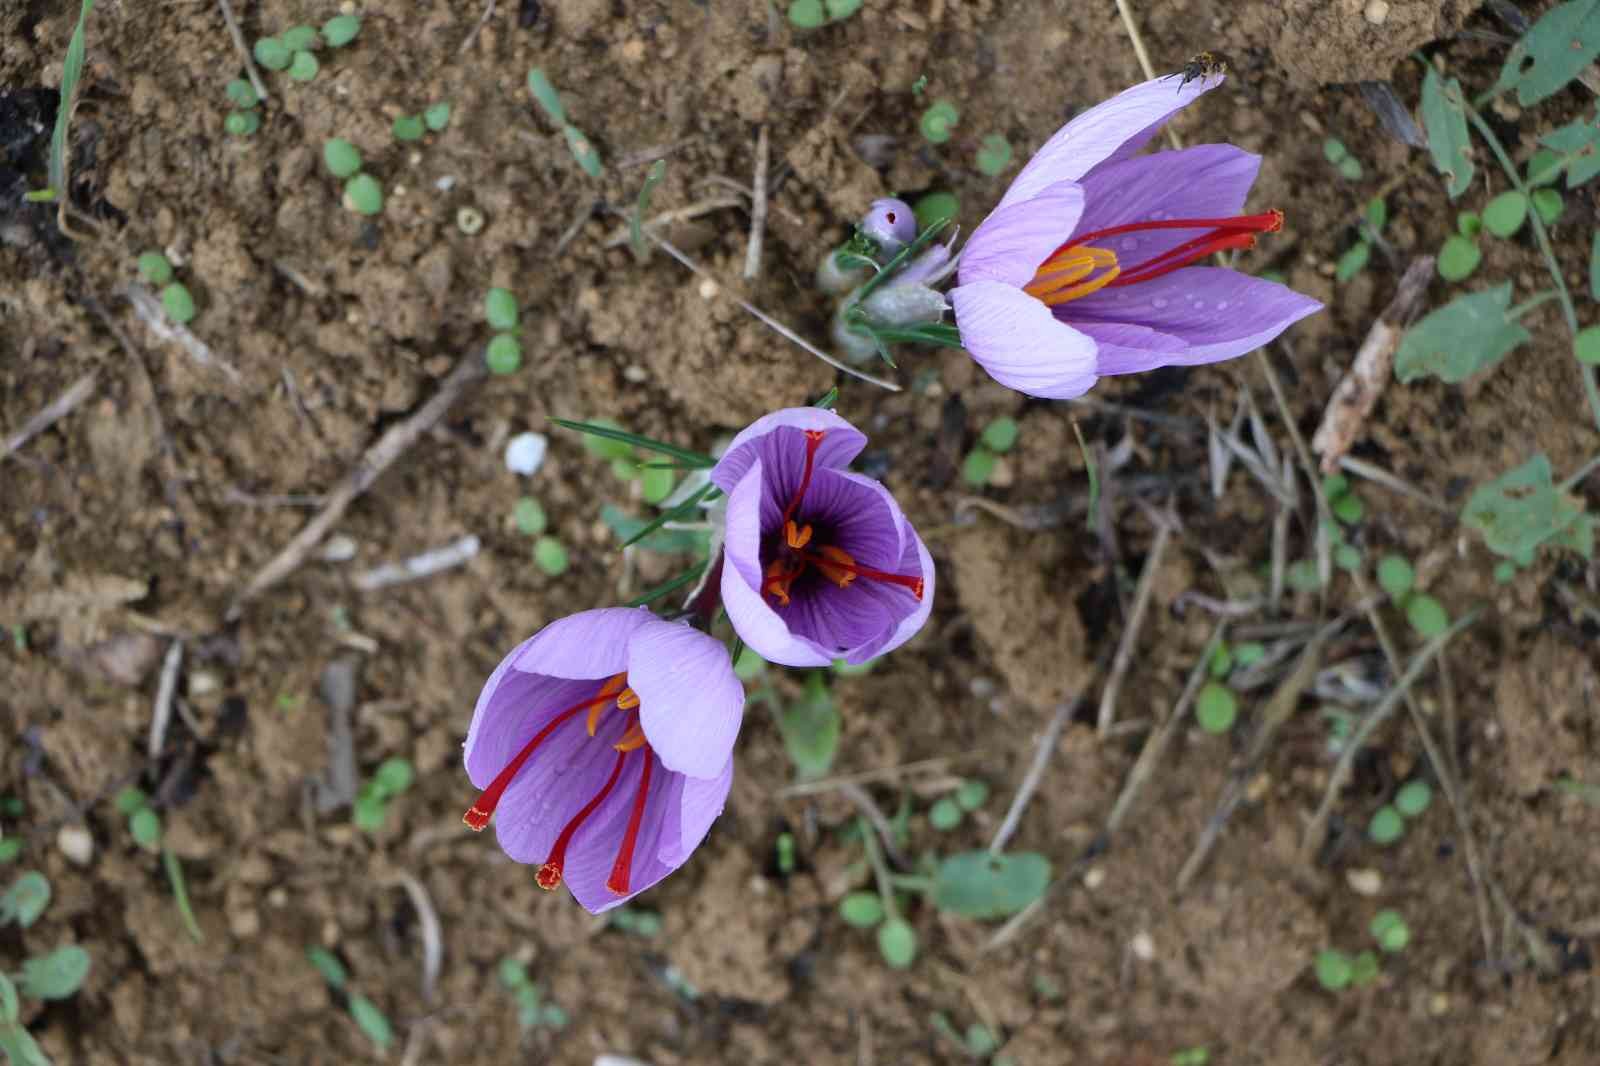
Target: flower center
x,y
1078,268
797,553
614,693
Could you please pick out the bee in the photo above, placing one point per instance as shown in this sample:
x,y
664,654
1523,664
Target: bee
x,y
1201,66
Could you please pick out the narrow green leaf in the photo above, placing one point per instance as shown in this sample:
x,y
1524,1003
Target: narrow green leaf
x,y
689,458
546,96
668,587
1470,334
56,975
1353,261
71,72
372,1021
1446,122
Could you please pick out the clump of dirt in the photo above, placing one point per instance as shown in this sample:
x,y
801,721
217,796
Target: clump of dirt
x,y
1351,40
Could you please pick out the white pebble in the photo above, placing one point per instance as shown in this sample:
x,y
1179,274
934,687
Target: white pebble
x,y
339,549
525,453
1143,948
76,844
1377,12
1094,878
446,183
1364,882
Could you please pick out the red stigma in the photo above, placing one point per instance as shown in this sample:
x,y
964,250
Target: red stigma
x,y
813,442
549,875
1222,234
622,872
835,559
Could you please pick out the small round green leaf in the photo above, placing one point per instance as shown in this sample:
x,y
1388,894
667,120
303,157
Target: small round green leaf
x,y
500,308
1364,969
1348,508
978,466
530,516
1458,258
369,811
1390,930
341,30
437,116
1469,224
10,848
1350,168
861,909
273,53
242,123
1386,826
1413,798
841,9
1000,435
363,195
994,155
342,158
155,268
241,93
145,826
1216,708
1334,969
25,900
56,975
304,66
408,128
1395,576
1427,615
935,207
512,973
1353,261
1334,151
945,814
1377,212
1335,485
656,483
1347,557
897,943
1586,346
1249,653
299,38
972,794
1506,213
394,776
806,14
550,556
938,120
177,302
504,354
1549,205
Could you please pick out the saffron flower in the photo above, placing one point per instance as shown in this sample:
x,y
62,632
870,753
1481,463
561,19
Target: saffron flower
x,y
818,562
1084,269
605,744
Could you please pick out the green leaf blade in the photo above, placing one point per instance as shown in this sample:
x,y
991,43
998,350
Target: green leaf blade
x,y
1445,120
1470,334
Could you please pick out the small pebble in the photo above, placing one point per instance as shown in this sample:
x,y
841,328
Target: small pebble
x,y
76,844
339,549
1094,878
1440,1004
1143,948
1364,882
469,220
708,288
525,453
203,684
635,374
1377,12
446,183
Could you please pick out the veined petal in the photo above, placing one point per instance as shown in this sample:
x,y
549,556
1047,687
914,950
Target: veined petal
x,y
753,618
1020,343
690,701
1107,132
1018,236
1206,181
1125,348
916,560
861,516
1217,313
589,644
785,454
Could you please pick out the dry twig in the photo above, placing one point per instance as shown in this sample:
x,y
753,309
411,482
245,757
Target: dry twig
x,y
456,553
51,413
149,309
1030,783
432,936
377,459
758,207
244,52
477,28
161,714
1130,634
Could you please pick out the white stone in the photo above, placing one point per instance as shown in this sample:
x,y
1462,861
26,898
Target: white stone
x,y
76,844
1377,12
1143,948
525,453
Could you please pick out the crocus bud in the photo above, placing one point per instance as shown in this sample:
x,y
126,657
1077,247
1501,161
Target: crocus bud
x,y
904,305
834,279
890,223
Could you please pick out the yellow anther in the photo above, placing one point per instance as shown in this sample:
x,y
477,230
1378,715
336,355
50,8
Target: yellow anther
x,y
627,699
631,740
796,536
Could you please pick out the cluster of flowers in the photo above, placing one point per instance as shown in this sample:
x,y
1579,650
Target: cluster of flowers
x,y
604,743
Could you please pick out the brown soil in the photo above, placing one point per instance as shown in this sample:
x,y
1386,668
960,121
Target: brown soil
x,y
139,517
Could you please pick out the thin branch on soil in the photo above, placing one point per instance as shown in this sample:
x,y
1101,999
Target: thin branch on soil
x,y
651,154
1311,843
1220,608
1325,520
391,446
477,28
1379,476
623,235
432,936
585,213
758,206
51,413
234,494
149,309
887,773
428,563
1030,783
880,821
1178,423
1369,374
1155,745
1279,709
161,713
880,870
244,52
1130,634
767,320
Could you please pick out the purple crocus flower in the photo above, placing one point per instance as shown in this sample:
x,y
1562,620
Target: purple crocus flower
x,y
819,563
605,742
1083,268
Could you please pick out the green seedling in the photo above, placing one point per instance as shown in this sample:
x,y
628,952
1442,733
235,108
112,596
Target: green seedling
x,y
1413,798
1504,215
641,923
1390,931
544,93
861,909
1335,970
1348,166
1386,827
304,67
748,666
978,467
392,777
71,73
1000,435
300,38
1395,576
408,128
532,1011
784,854
1459,258
363,195
550,556
341,30
945,814
1426,615
529,516
242,123
994,155
1216,708
177,303
641,205
504,354
56,975
807,14
155,268
810,727
273,54
437,116
241,93
656,484
939,120
342,158
935,209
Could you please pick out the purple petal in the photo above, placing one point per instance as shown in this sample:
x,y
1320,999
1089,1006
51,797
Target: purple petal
x,y
513,706
589,644
1217,313
1020,343
779,441
1128,349
690,701
891,223
918,561
1207,181
1107,132
1018,236
924,267
858,515
752,617
698,806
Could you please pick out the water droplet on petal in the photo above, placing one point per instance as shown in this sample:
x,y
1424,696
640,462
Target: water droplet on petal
x,y
1159,302
1130,242
1222,305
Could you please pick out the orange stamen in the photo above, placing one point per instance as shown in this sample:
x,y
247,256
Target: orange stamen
x,y
796,538
838,567
813,442
549,875
631,740
477,817
613,683
622,871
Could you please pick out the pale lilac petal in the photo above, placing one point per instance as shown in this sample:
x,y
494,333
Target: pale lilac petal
x,y
752,617
593,851
485,723
916,561
690,701
1011,243
926,269
1020,343
1105,133
589,644
700,802
1217,313
513,706
842,443
1206,181
1125,348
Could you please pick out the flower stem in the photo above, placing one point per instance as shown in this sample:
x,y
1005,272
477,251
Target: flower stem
x,y
1530,303
880,869
1590,388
